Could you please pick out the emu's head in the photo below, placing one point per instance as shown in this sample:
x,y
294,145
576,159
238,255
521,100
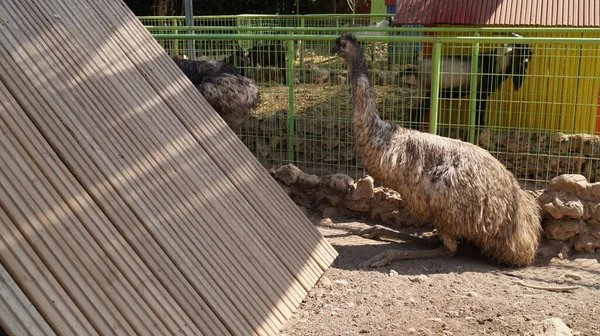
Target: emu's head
x,y
519,55
346,46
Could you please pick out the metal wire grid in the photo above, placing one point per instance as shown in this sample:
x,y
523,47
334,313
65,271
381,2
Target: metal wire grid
x,y
546,128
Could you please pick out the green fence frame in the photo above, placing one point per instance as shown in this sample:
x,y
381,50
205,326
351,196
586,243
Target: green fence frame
x,y
288,35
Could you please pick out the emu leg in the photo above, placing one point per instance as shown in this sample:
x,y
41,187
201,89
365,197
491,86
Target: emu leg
x,y
379,231
387,257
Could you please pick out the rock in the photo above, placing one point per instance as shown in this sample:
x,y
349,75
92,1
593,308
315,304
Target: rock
x,y
287,189
551,248
473,294
565,206
388,198
574,183
330,212
392,218
418,279
364,189
585,243
594,230
595,212
326,282
559,137
308,181
485,138
551,327
594,190
288,174
573,276
341,282
564,252
362,205
322,196
326,221
340,182
562,229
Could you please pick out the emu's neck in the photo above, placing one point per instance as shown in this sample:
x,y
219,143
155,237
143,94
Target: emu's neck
x,y
372,134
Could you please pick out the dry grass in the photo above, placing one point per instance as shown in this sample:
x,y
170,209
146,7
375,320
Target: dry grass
x,y
329,101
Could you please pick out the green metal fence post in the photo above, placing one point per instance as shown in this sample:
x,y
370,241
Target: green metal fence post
x,y
175,42
435,87
301,46
290,115
473,90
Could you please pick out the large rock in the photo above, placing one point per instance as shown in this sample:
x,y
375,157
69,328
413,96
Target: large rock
x,y
339,182
364,188
585,243
563,229
574,183
564,206
308,181
288,174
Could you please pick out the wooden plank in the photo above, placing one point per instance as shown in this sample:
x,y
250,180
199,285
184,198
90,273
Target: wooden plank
x,y
40,286
187,295
17,315
91,217
62,244
152,163
184,209
218,140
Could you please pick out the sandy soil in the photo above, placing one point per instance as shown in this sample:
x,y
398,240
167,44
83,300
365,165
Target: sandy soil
x,y
463,295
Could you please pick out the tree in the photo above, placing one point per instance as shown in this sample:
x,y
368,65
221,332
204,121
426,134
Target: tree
x,y
353,3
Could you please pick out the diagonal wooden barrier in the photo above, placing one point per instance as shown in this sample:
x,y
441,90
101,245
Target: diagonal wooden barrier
x,y
128,198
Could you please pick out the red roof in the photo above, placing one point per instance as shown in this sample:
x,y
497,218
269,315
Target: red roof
x,y
576,13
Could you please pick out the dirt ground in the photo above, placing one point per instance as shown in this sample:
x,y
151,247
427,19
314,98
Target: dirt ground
x,y
463,295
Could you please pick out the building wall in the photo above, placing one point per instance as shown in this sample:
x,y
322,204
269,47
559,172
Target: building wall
x,y
560,91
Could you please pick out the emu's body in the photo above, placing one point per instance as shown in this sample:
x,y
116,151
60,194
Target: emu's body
x,y
460,188
232,95
455,78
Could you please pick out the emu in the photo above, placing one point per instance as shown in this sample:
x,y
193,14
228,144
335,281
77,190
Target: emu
x,y
232,95
458,187
455,78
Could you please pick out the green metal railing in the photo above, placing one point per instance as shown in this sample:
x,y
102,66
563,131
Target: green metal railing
x,y
307,121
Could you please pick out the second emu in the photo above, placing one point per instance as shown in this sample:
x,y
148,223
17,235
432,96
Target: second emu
x,y
231,94
460,188
455,79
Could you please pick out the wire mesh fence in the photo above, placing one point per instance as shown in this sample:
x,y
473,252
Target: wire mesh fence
x,y
531,99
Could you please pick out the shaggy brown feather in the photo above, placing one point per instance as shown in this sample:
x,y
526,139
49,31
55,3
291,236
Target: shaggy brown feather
x,y
232,95
460,188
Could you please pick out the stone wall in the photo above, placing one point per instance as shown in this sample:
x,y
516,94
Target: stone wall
x,y
338,195
571,212
329,143
570,205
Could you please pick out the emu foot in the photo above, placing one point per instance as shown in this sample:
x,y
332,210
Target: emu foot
x,y
388,256
379,231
